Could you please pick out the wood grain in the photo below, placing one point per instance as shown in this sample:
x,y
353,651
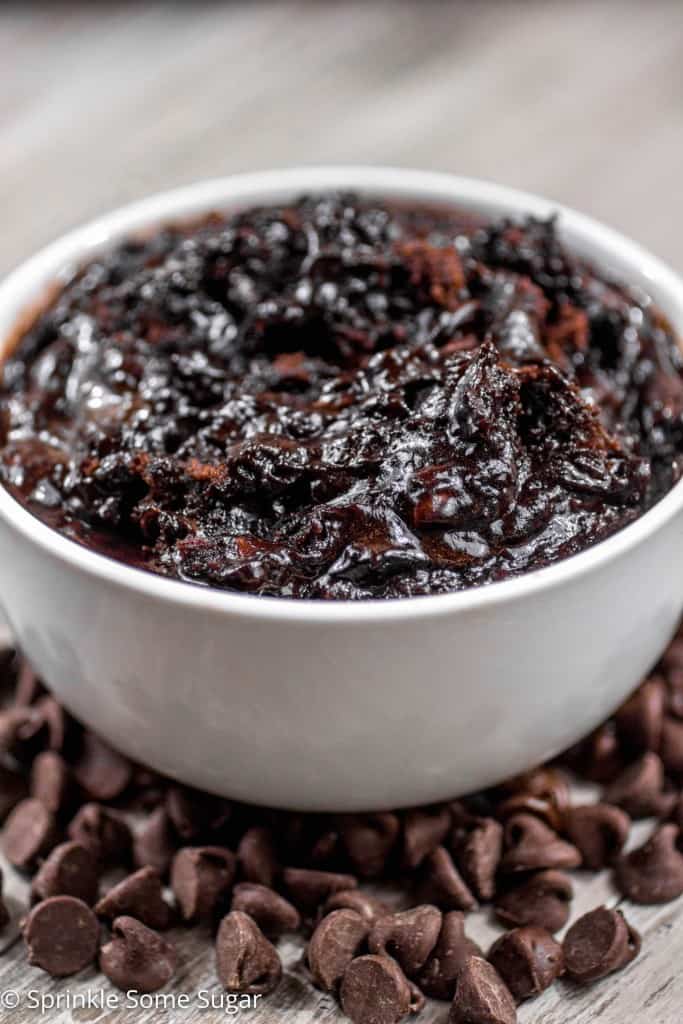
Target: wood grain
x,y
102,103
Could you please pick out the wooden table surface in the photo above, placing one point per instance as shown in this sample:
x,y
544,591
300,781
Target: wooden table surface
x,y
583,101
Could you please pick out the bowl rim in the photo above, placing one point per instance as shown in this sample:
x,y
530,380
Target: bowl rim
x,y
33,278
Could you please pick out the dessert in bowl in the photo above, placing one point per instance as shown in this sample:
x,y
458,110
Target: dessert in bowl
x,y
358,442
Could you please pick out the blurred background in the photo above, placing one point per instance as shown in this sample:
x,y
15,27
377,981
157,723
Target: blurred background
x,y
104,102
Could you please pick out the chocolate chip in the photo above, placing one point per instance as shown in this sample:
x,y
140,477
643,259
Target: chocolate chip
x,y
653,873
103,832
256,857
22,732
194,814
374,990
424,828
245,960
441,883
677,813
439,975
155,844
408,936
543,792
325,849
528,960
542,900
639,721
479,856
531,845
598,831
29,834
51,781
308,889
62,935
5,916
639,789
70,870
55,721
368,840
140,895
147,789
13,789
481,996
598,943
28,686
100,770
201,877
671,750
137,958
600,757
369,907
272,912
333,945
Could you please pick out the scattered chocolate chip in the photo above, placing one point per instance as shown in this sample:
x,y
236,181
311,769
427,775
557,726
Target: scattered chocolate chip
x,y
201,877
527,803
543,792
324,851
671,749
408,936
531,846
369,907
600,756
100,770
542,900
272,912
481,996
5,916
245,960
424,828
70,870
51,781
55,722
140,895
103,832
441,883
28,686
368,840
62,935
22,732
598,831
653,873
256,856
137,958
528,960
333,945
194,814
639,789
147,789
599,943
677,813
479,856
29,834
155,844
639,721
308,889
13,789
374,990
439,976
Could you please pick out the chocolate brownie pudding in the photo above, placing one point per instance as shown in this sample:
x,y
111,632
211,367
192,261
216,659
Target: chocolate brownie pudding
x,y
342,399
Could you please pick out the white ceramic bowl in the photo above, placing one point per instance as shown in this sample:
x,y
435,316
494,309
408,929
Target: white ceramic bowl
x,y
342,706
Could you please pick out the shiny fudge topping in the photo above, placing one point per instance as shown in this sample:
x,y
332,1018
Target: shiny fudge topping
x,y
341,399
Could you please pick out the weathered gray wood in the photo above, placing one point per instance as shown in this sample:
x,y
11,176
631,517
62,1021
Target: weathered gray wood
x,y
101,103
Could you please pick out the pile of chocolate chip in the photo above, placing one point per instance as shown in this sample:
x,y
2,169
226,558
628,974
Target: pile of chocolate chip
x,y
110,845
